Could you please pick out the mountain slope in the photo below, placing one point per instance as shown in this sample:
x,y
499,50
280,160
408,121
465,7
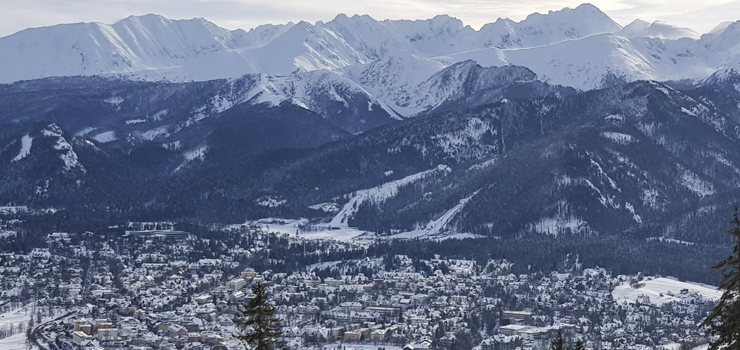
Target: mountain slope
x,y
642,159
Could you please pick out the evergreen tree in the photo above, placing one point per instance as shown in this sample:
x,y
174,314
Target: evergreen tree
x,y
723,324
257,322
559,342
579,346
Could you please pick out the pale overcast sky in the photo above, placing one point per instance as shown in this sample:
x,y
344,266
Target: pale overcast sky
x,y
16,15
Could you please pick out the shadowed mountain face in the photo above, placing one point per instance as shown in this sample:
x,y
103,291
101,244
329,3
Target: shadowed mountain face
x,y
640,159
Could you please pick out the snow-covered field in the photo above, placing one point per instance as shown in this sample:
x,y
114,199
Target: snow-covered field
x,y
663,290
292,228
14,318
15,342
21,316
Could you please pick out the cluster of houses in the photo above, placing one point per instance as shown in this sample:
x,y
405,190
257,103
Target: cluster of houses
x,y
166,297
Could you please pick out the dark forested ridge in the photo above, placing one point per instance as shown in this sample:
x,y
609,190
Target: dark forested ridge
x,y
640,160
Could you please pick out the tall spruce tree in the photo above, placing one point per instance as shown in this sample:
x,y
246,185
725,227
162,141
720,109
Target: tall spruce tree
x,y
579,346
559,342
723,324
257,322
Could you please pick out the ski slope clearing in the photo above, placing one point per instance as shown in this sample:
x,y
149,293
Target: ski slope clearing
x,y
438,229
663,290
26,142
378,195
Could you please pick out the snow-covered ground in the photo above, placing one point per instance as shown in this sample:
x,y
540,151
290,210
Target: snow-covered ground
x,y
7,209
292,227
105,137
26,142
21,316
14,318
663,290
15,342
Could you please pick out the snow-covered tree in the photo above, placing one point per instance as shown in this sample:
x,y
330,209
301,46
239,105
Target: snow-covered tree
x,y
256,319
723,324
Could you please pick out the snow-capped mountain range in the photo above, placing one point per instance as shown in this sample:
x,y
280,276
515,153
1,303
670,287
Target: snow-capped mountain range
x,y
391,60
402,128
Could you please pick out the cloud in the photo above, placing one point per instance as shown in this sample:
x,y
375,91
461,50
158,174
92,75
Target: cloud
x,y
245,14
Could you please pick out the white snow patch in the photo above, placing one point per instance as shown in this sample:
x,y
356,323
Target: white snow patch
x,y
483,165
104,137
26,142
700,187
154,133
554,226
115,100
6,234
85,131
663,290
720,158
686,111
172,146
198,153
68,155
615,117
270,202
620,138
158,116
650,198
135,121
669,240
190,155
603,174
9,209
631,209
325,207
602,199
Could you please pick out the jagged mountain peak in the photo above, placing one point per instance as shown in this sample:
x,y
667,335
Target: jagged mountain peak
x,y
579,47
585,9
657,29
585,16
543,29
343,17
719,28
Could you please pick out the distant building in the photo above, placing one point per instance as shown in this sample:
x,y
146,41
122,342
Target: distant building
x,y
236,284
108,334
169,236
516,317
79,336
83,326
353,336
